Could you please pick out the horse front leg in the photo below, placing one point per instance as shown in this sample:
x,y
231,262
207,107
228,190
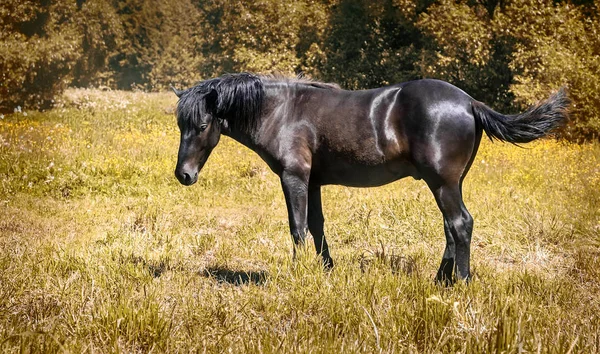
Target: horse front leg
x,y
295,190
315,224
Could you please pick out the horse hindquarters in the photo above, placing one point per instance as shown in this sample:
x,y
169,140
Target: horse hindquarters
x,y
444,138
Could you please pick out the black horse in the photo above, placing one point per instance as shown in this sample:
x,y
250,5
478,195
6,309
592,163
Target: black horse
x,y
313,134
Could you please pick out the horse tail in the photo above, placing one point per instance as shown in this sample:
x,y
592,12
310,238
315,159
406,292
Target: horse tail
x,y
534,123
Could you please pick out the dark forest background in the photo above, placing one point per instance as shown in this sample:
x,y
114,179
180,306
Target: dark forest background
x,y
507,53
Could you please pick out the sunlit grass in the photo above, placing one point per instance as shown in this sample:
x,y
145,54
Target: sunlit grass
x,y
102,250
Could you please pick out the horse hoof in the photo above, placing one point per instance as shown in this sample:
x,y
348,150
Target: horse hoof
x,y
444,281
328,263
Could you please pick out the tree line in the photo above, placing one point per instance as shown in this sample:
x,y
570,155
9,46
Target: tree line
x,y
507,53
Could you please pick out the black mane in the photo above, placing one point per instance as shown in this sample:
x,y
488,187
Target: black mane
x,y
239,98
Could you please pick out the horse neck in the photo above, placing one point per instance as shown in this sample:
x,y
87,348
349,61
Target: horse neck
x,y
275,95
242,137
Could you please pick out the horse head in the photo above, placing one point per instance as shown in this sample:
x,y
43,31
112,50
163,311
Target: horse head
x,y
200,132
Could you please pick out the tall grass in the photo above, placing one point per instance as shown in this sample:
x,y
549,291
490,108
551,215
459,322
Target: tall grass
x,y
101,250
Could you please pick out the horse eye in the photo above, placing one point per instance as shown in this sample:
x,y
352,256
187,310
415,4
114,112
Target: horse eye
x,y
203,127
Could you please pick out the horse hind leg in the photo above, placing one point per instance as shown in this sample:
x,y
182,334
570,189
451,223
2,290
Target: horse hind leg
x,y
461,229
446,185
444,273
445,182
458,228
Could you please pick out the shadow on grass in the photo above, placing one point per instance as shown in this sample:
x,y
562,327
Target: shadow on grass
x,y
233,277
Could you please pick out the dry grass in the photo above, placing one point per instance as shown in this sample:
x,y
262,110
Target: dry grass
x,y
101,250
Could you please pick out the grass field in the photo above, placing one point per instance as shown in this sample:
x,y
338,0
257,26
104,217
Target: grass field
x,y
102,250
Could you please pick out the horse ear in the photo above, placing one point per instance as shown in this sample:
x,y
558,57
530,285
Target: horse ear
x,y
177,92
211,99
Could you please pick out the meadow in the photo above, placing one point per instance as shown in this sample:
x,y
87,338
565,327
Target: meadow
x,y
102,250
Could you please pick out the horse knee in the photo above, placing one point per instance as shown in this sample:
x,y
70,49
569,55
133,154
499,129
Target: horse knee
x,y
299,235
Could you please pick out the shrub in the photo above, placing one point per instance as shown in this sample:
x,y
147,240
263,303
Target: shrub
x,y
38,49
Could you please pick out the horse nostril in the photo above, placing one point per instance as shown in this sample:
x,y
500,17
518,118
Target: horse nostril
x,y
187,178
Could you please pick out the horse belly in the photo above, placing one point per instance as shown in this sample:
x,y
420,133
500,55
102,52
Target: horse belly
x,y
340,172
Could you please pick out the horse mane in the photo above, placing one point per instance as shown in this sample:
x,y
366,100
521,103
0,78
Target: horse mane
x,y
301,80
239,97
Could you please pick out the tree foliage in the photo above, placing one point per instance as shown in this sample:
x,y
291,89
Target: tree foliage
x,y
506,53
163,44
558,46
37,51
464,48
370,44
101,36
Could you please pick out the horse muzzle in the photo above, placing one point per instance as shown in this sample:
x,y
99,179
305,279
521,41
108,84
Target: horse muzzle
x,y
186,176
